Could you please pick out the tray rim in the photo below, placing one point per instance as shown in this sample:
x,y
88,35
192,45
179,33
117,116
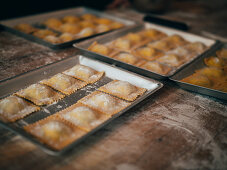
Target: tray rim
x,y
69,43
132,67
196,88
46,148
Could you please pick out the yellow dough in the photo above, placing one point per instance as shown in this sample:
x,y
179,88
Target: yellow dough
x,y
53,23
156,67
116,25
127,58
102,28
214,61
170,59
26,28
199,80
70,19
70,28
52,39
99,48
88,17
66,37
43,33
13,108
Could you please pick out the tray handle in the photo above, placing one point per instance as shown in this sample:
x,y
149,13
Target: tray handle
x,y
165,22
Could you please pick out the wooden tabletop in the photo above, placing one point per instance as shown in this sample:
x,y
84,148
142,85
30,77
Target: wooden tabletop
x,y
173,129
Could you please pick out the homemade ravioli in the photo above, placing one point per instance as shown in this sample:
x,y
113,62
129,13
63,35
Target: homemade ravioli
x,y
54,131
13,108
84,73
40,94
122,89
156,67
171,60
64,83
104,103
148,53
100,49
83,116
128,58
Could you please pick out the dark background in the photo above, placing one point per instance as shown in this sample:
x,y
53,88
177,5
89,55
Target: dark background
x,y
17,8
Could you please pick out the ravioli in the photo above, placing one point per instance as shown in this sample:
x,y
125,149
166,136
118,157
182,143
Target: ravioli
x,y
70,19
84,73
26,28
53,23
64,83
104,103
70,28
128,58
101,49
40,94
152,34
83,116
171,60
214,62
211,72
199,80
13,108
55,132
156,67
123,89
148,53
43,33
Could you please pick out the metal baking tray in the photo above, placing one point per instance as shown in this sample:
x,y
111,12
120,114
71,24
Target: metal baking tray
x,y
14,84
189,70
112,36
8,25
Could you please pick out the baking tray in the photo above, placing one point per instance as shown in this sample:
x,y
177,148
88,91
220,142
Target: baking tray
x,y
189,70
39,18
112,36
14,84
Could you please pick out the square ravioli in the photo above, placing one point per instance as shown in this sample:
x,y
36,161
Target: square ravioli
x,y
64,83
148,53
128,58
104,103
128,42
55,132
83,116
152,34
40,94
13,108
101,49
123,89
171,60
84,73
156,67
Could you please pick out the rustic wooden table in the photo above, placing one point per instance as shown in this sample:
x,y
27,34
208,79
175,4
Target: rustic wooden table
x,y
173,129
